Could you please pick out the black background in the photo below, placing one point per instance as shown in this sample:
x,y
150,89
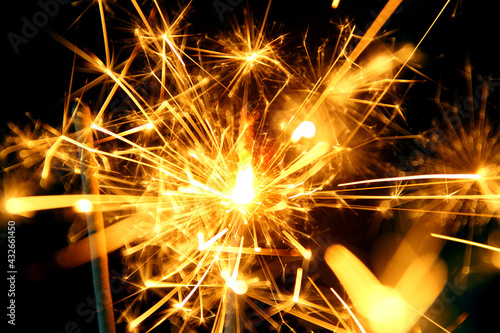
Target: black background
x,y
36,78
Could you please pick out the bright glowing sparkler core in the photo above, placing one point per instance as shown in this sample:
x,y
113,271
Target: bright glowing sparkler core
x,y
243,192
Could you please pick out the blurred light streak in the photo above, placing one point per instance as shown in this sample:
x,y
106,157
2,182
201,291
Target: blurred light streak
x,y
465,241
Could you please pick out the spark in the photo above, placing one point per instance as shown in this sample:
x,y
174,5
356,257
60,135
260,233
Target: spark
x,y
205,245
305,253
415,177
465,241
353,316
298,282
35,203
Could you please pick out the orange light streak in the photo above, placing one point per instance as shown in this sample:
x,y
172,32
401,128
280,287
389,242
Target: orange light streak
x,y
353,316
305,253
36,203
465,241
415,177
205,245
298,282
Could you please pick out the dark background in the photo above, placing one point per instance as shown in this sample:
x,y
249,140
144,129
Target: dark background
x,y
36,78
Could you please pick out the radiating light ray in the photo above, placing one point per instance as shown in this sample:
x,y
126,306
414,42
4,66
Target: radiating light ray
x,y
305,253
137,129
104,33
353,316
260,251
430,320
298,282
173,48
466,241
181,304
415,177
485,197
36,203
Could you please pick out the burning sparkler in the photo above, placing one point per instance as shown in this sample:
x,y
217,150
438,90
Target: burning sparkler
x,y
207,181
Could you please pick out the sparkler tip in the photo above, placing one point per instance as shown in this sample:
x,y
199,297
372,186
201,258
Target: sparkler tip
x,y
307,254
243,192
